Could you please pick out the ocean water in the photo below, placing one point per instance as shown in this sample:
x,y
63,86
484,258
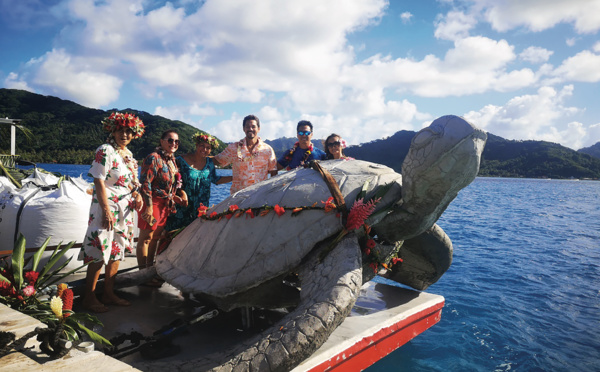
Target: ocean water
x,y
523,291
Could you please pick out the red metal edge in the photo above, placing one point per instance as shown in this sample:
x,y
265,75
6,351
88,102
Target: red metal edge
x,y
373,348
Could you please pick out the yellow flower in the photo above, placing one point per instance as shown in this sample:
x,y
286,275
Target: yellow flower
x,y
56,305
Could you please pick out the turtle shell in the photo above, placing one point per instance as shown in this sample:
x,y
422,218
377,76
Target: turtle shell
x,y
227,256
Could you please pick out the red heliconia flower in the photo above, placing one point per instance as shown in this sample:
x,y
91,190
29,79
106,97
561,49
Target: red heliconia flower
x,y
371,244
213,215
396,260
233,208
202,210
279,210
250,213
67,299
359,213
31,277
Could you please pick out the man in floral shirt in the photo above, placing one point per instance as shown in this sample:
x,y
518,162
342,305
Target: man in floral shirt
x,y
252,160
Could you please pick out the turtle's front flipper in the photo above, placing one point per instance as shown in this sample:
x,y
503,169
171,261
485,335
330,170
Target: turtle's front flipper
x,y
426,258
329,290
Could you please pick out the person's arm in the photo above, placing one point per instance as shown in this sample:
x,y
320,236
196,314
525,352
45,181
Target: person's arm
x,y
146,178
108,220
224,179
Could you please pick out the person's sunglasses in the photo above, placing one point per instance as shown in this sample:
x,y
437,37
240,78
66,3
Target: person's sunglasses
x,y
336,143
171,140
307,133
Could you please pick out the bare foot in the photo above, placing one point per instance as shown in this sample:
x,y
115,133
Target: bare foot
x,y
114,300
94,306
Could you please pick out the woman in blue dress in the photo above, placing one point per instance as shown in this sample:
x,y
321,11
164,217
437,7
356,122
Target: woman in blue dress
x,y
197,171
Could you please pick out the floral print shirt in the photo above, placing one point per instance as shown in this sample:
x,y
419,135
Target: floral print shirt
x,y
158,176
248,168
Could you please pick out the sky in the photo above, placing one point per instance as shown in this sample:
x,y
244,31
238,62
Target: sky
x,y
365,69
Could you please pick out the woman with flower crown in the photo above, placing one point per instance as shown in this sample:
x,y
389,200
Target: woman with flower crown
x,y
115,196
334,147
197,171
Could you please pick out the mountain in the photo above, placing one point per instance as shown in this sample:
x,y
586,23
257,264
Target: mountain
x,y
500,158
66,132
593,150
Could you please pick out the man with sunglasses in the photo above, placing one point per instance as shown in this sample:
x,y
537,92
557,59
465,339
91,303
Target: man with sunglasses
x,y
251,158
303,150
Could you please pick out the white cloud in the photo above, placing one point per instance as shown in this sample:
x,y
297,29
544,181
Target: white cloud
x,y
596,47
74,78
535,54
542,15
454,25
406,17
14,81
584,66
538,116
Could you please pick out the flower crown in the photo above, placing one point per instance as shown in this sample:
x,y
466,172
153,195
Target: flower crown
x,y
212,141
118,120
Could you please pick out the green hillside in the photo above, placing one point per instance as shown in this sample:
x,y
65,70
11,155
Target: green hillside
x,y
68,133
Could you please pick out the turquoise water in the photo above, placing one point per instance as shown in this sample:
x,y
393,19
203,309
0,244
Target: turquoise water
x,y
523,292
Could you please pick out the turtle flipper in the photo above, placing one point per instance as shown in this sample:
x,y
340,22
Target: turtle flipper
x,y
329,290
426,258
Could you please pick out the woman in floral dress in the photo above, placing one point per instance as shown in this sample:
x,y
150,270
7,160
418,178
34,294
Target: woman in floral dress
x,y
197,173
115,196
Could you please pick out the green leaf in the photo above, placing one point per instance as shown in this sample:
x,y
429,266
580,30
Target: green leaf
x,y
17,261
86,318
38,255
93,335
55,257
3,279
64,275
363,190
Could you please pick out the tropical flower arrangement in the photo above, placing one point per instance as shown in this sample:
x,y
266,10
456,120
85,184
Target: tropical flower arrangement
x,y
212,141
356,222
118,120
34,292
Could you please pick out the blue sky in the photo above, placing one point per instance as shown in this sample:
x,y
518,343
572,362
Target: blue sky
x,y
520,69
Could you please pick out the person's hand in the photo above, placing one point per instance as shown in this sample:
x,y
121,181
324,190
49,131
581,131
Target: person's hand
x,y
181,198
108,220
148,217
138,202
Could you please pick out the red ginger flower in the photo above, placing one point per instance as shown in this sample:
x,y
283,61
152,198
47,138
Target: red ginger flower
x,y
396,260
371,244
359,213
67,299
213,215
250,213
31,277
233,208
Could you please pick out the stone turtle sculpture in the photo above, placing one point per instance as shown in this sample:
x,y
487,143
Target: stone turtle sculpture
x,y
260,235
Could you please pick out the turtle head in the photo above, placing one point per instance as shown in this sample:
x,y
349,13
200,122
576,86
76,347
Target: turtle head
x,y
443,158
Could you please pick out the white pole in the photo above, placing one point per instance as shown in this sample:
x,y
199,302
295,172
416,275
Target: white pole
x,y
13,135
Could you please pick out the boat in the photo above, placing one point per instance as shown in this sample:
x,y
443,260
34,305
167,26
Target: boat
x,y
384,318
